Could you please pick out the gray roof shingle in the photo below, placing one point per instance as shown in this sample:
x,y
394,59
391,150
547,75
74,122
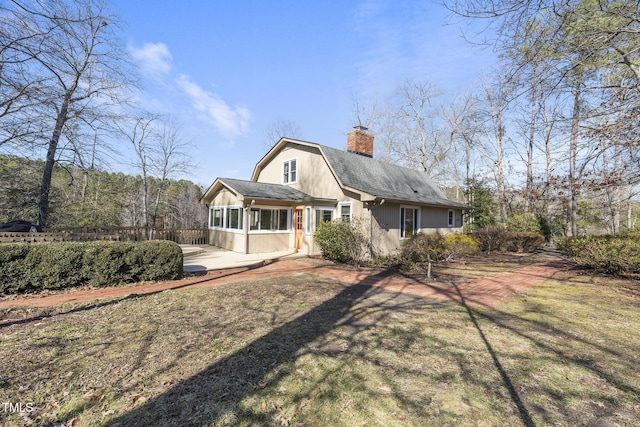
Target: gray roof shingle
x,y
261,190
385,180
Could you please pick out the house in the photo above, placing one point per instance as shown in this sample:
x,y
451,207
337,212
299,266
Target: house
x,y
298,184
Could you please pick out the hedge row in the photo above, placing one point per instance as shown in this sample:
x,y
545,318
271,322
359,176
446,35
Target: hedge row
x,y
28,267
612,254
499,239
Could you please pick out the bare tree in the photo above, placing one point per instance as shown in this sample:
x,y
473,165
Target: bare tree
x,y
161,153
140,133
170,158
71,49
490,121
411,127
279,129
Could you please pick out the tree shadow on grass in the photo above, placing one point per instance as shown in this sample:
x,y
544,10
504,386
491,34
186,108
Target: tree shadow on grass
x,y
217,391
47,312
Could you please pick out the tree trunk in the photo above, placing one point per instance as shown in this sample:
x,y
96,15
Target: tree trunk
x,y
573,151
532,129
45,187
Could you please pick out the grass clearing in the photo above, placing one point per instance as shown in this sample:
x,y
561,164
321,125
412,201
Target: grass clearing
x,y
305,351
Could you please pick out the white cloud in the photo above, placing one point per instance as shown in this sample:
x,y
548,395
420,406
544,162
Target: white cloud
x,y
229,121
154,58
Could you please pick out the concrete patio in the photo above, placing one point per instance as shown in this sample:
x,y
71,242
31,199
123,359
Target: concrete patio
x,y
210,258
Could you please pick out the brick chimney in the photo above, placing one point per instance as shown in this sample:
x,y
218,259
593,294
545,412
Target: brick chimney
x,y
359,141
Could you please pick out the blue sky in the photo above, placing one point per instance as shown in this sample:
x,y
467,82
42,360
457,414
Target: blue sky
x,y
227,70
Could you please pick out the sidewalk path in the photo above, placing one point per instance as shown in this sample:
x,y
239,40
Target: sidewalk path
x,y
486,292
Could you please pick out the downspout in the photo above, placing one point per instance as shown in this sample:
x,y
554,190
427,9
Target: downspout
x,y
370,231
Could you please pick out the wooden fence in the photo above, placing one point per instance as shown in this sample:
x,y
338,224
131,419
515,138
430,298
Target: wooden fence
x,y
190,236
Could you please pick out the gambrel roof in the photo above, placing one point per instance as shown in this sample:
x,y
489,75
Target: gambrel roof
x,y
385,180
373,179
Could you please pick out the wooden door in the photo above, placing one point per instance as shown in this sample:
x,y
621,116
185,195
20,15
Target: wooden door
x,y
298,221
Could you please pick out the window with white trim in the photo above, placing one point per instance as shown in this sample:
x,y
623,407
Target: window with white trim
x,y
269,219
323,215
289,172
234,218
451,219
307,219
216,217
345,211
408,222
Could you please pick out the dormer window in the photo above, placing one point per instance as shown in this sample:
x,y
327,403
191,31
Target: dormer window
x,y
289,172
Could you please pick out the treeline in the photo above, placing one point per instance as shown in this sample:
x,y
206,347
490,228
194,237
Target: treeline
x,y
91,197
552,131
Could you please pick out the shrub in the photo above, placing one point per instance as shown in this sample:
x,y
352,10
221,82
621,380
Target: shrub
x,y
55,265
492,238
611,254
13,272
422,249
524,241
457,245
340,240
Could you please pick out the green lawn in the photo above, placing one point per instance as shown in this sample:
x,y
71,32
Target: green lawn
x,y
304,351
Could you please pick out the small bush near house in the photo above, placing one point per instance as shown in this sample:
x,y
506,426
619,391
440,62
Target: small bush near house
x,y
341,241
611,254
424,249
457,245
421,250
28,267
492,238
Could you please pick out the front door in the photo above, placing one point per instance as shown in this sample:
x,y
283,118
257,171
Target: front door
x,y
299,225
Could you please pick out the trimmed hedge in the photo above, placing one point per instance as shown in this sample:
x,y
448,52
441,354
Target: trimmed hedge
x,y
28,267
611,254
499,239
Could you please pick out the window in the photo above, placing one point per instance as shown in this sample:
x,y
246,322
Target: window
x,y
215,219
451,219
290,172
323,215
345,211
408,222
269,219
234,218
307,220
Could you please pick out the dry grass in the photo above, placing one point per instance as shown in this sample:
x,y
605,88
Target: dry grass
x,y
307,351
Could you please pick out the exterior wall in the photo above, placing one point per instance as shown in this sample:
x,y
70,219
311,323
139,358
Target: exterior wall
x,y
231,240
314,176
269,242
225,198
386,229
386,225
436,220
226,240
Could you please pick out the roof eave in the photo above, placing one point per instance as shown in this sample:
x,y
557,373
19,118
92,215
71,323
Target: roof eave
x,y
452,205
